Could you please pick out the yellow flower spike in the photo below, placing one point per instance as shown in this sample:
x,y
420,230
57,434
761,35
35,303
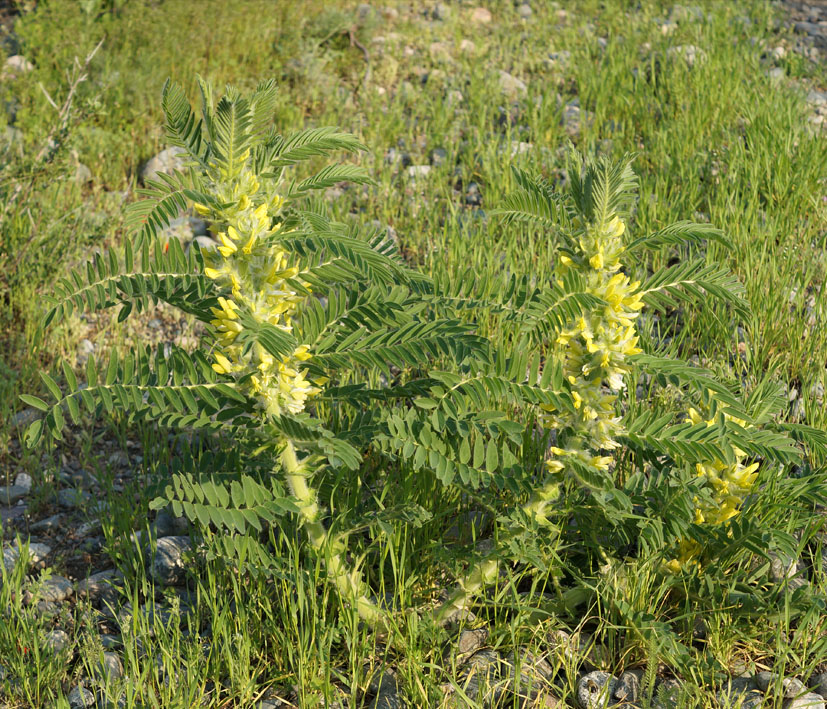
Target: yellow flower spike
x,y
222,364
244,203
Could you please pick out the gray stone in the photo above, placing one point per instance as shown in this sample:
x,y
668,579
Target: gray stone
x,y
792,687
524,11
96,584
806,701
57,640
511,85
80,698
627,688
166,525
85,349
679,13
17,64
533,677
37,553
205,242
441,12
11,494
385,688
817,98
72,499
415,171
23,480
185,228
82,174
56,589
809,28
818,683
109,668
595,690
167,161
480,675
87,529
471,640
48,524
481,16
110,642
667,695
167,566
691,54
24,417
776,74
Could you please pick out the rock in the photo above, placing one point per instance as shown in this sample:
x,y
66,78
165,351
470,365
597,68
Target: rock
x,y
15,65
466,46
23,480
82,174
679,13
81,478
167,162
24,418
573,118
511,85
165,525
109,668
776,74
438,157
185,229
72,499
792,687
473,196
595,690
87,529
85,349
37,553
524,11
667,695
441,12
480,675
80,698
416,171
533,678
689,53
57,640
808,28
96,584
385,688
48,524
167,566
778,53
56,589
817,98
471,640
519,148
818,683
627,688
481,16
806,701
10,494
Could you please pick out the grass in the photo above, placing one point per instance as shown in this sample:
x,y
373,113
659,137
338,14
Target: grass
x,y
709,145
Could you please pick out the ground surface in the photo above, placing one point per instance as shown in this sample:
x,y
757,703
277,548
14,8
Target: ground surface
x,y
726,106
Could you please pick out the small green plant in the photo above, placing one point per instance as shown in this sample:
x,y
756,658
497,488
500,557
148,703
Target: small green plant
x,y
324,353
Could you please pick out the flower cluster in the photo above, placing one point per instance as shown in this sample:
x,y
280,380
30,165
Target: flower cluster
x,y
729,484
257,273
594,348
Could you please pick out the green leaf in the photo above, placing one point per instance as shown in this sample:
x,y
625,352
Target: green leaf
x,y
34,402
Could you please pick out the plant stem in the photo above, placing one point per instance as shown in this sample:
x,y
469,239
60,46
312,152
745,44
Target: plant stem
x,y
487,569
348,582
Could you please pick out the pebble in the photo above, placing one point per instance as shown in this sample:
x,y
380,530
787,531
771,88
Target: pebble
x,y
385,688
818,683
595,690
805,701
534,676
72,499
689,53
80,698
471,640
441,12
110,667
85,350
167,161
511,85
416,171
11,494
23,480
57,640
817,98
37,553
97,583
792,687
481,16
808,28
55,589
17,64
524,11
480,674
438,157
627,688
48,524
24,417
167,566
776,74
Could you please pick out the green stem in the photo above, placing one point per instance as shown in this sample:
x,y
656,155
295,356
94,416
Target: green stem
x,y
487,569
348,582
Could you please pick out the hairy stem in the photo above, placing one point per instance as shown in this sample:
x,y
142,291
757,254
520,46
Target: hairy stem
x,y
348,582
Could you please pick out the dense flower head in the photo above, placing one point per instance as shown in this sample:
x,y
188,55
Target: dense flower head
x,y
728,485
594,347
258,274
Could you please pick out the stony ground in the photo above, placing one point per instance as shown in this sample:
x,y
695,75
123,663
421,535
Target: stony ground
x,y
60,518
